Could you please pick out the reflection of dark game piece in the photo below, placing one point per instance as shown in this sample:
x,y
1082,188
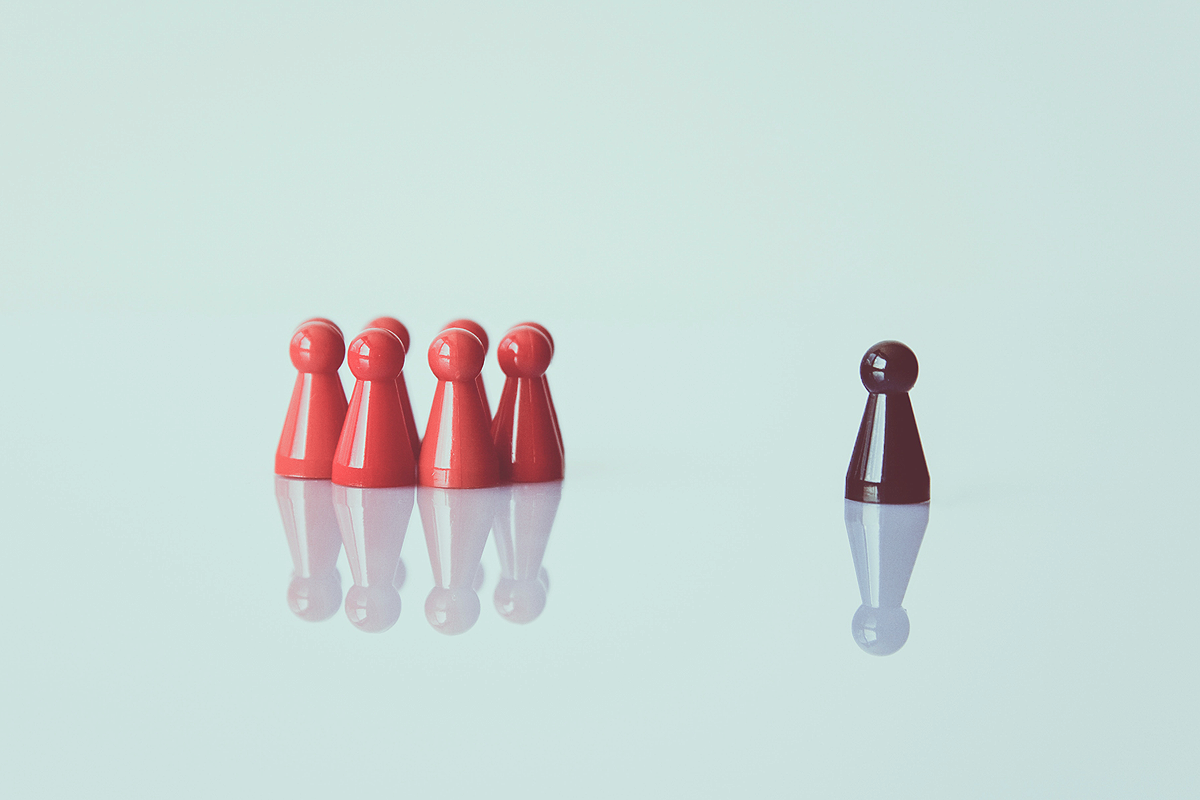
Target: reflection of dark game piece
x,y
884,540
397,327
374,449
888,464
306,507
480,334
318,404
457,452
528,442
456,523
373,523
524,518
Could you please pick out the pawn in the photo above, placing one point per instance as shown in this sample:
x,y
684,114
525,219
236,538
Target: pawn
x,y
318,407
888,464
524,517
480,334
524,432
311,527
884,541
456,523
374,449
397,327
373,523
457,452
549,397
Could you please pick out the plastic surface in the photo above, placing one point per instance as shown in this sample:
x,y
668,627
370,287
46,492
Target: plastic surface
x,y
456,523
374,449
888,464
457,452
318,405
373,523
480,334
311,527
397,327
884,541
524,518
526,436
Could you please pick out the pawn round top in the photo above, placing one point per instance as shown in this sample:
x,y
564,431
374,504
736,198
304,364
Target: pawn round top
x,y
456,354
317,347
524,352
336,327
395,326
472,326
541,328
888,367
376,355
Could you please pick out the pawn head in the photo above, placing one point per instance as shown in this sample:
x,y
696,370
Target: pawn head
x,y
317,347
451,611
472,326
880,631
327,322
541,328
315,598
524,352
519,601
395,326
888,367
376,355
372,609
456,355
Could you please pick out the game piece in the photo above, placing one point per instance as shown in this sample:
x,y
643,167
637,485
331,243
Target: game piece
x,y
524,517
884,540
397,327
373,523
549,397
888,464
374,450
526,438
480,334
311,527
457,452
456,523
318,406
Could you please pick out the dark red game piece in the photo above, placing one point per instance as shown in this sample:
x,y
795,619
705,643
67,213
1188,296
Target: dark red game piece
x,y
373,523
550,397
457,452
480,334
524,518
311,527
888,464
397,327
524,433
374,449
318,406
456,523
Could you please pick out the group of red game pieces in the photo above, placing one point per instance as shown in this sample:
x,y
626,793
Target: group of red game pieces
x,y
372,441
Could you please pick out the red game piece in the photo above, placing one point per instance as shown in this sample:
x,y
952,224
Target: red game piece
x,y
318,406
374,449
480,334
397,327
553,411
373,523
524,518
457,452
524,433
306,507
456,523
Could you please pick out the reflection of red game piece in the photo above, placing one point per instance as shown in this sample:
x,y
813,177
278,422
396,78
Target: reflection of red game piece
x,y
306,507
553,411
374,449
480,334
318,406
397,327
457,452
373,523
526,438
456,523
524,518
